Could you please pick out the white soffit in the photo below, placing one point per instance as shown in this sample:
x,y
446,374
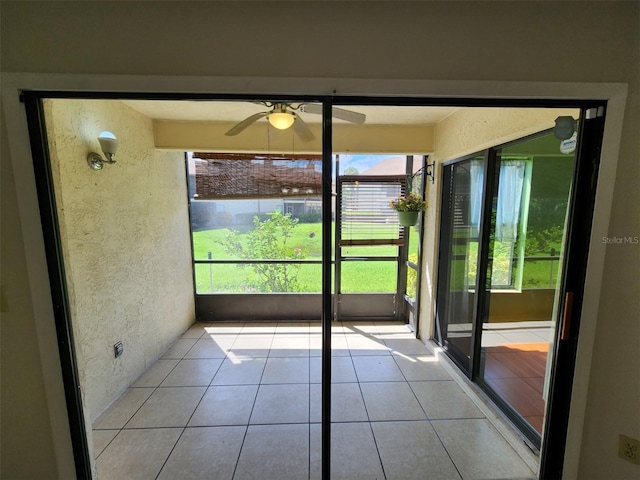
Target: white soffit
x,y
235,111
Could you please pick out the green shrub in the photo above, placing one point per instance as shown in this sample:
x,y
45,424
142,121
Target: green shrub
x,y
269,240
312,217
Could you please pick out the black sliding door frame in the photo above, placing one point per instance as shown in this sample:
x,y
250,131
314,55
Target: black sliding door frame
x,y
552,442
33,101
58,283
581,208
552,456
445,254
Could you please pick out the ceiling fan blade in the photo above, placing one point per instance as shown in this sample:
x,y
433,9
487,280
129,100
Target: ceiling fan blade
x,y
302,129
311,108
341,113
245,123
348,115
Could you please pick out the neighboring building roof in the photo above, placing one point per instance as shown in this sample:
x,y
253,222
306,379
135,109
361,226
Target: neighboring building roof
x,y
394,166
259,177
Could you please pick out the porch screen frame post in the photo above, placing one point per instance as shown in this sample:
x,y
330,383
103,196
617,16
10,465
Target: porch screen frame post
x,y
327,176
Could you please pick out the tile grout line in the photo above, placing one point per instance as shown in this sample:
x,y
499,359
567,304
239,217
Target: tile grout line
x,y
493,416
446,450
375,442
247,426
428,419
184,429
246,430
145,401
95,458
155,389
309,411
309,423
373,435
171,451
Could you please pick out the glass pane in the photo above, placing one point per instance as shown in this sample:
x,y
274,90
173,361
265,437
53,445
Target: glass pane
x,y
368,165
413,258
258,278
370,251
257,206
267,236
526,248
413,243
369,277
365,211
256,229
412,279
462,200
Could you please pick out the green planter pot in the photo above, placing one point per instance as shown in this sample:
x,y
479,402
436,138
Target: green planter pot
x,y
408,219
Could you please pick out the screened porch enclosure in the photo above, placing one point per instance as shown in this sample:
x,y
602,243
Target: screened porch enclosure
x,y
256,221
256,224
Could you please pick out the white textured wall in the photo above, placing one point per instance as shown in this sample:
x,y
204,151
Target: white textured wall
x,y
125,237
470,130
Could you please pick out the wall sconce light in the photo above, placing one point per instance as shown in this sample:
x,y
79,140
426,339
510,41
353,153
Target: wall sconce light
x,y
109,145
280,118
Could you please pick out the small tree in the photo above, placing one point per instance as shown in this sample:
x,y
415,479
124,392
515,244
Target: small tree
x,y
269,240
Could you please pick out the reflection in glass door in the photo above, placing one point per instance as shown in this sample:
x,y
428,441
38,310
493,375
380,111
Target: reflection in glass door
x,y
502,245
527,229
463,186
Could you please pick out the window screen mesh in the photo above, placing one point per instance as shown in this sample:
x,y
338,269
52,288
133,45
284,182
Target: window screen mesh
x,y
220,176
365,215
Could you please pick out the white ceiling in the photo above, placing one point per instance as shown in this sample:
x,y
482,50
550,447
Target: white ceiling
x,y
235,111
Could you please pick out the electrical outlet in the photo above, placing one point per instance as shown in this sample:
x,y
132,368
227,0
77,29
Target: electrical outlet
x,y
629,449
118,349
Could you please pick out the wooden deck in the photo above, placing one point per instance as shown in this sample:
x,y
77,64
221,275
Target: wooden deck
x,y
516,372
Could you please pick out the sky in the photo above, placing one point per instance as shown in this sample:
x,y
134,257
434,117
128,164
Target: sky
x,y
361,162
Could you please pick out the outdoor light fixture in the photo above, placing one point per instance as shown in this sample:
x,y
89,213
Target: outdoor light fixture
x,y
564,128
280,118
109,145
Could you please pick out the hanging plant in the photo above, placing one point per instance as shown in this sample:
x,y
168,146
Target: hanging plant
x,y
408,207
408,203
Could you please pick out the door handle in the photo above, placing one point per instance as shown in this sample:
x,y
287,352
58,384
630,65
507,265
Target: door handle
x,y
566,317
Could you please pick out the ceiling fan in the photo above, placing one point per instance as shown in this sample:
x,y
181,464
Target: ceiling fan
x,y
283,115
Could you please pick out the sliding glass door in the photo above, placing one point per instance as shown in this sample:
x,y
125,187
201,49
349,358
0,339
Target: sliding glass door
x,y
462,198
527,232
504,226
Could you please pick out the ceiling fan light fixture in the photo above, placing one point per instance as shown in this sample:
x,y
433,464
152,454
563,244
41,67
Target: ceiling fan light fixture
x,y
281,120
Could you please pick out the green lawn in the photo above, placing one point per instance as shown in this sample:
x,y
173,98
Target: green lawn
x,y
357,277
537,273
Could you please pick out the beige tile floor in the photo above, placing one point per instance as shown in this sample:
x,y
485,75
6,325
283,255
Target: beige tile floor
x,y
243,401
